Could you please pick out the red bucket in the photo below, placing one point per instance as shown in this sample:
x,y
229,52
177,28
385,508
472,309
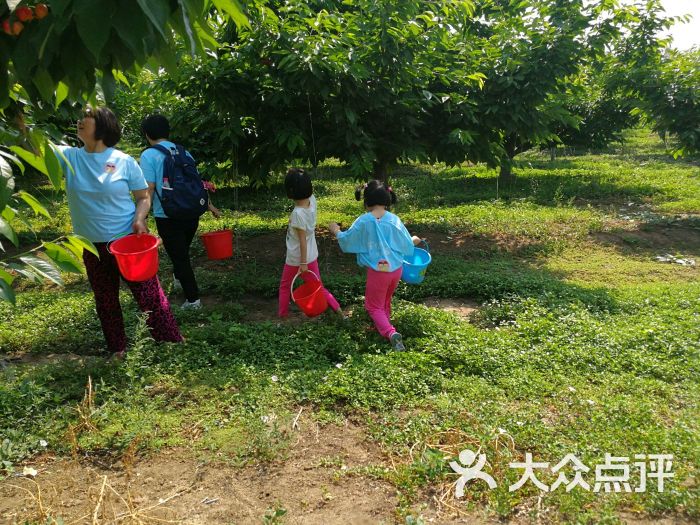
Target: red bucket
x,y
136,255
219,244
309,296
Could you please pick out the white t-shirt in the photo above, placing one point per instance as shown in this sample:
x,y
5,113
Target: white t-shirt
x,y
303,219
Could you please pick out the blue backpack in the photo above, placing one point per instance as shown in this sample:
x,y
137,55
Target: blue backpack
x,y
183,195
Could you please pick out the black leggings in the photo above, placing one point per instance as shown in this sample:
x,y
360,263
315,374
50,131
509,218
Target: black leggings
x,y
177,235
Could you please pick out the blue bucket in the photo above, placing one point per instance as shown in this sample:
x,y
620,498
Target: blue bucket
x,y
414,267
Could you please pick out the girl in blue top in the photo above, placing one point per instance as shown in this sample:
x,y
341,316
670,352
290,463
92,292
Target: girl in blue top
x,y
381,242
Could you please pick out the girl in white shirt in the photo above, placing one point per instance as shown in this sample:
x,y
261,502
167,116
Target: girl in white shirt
x,y
302,252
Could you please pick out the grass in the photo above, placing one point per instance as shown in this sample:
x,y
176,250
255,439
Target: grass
x,y
583,342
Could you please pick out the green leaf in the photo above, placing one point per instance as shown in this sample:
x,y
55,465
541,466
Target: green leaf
x,y
134,31
351,115
35,161
59,154
49,35
62,257
92,18
234,10
44,83
183,26
109,86
14,159
165,58
34,203
44,268
6,276
7,231
120,77
61,94
77,252
7,182
6,292
158,12
82,243
205,36
25,272
10,214
55,172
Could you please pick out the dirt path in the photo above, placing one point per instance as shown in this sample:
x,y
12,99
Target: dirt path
x,y
311,485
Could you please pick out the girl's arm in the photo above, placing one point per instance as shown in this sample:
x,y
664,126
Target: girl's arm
x,y
303,266
214,210
210,189
352,239
404,242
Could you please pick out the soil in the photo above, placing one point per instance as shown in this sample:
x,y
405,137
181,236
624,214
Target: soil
x,y
311,485
463,308
260,309
270,248
656,240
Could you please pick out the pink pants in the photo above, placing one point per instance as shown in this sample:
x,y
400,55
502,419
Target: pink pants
x,y
378,293
285,293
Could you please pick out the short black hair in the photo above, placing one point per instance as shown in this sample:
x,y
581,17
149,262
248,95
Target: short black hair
x,y
298,184
107,126
376,193
155,127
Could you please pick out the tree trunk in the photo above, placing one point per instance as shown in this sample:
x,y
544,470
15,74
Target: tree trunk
x,y
506,173
381,170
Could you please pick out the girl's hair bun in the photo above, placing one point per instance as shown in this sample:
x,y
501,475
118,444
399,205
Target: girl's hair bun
x,y
376,193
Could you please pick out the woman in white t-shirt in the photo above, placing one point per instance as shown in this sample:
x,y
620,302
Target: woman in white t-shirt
x,y
302,252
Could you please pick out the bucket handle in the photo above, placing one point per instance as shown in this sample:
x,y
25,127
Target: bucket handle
x,y
427,246
291,287
117,236
124,234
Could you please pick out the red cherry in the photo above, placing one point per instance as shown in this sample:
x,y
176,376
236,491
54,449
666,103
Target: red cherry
x,y
40,11
17,27
6,26
24,14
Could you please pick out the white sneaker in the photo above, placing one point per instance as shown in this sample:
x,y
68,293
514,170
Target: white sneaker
x,y
196,305
177,286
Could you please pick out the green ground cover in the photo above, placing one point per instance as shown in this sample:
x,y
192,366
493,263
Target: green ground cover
x,y
583,342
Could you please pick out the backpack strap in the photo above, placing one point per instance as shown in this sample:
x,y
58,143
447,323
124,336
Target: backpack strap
x,y
181,150
164,151
161,148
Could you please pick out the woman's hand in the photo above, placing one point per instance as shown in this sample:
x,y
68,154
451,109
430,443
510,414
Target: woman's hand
x,y
139,226
334,228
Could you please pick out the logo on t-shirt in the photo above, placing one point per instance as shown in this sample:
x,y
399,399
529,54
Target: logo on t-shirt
x,y
383,266
110,167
